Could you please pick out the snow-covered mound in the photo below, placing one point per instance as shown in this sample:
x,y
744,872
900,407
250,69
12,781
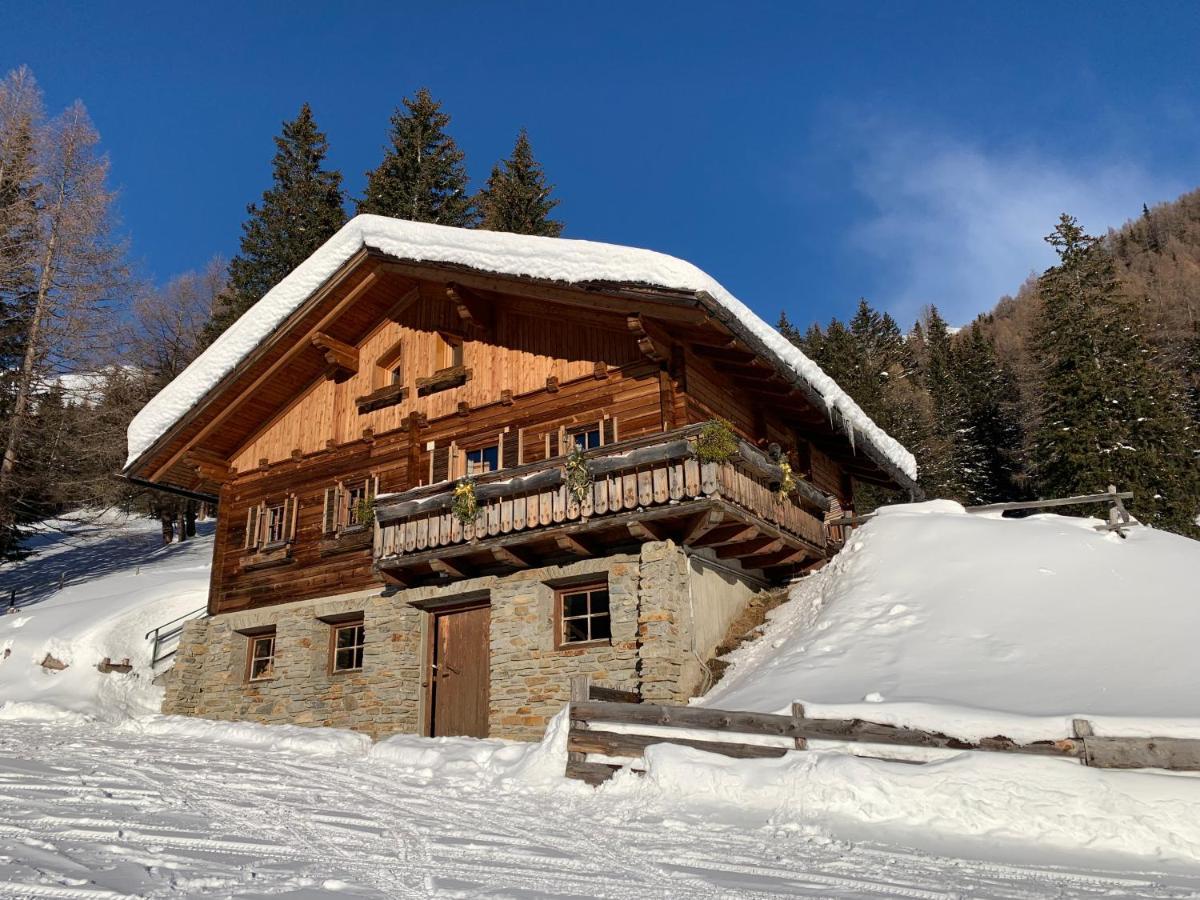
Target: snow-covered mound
x,y
119,582
977,625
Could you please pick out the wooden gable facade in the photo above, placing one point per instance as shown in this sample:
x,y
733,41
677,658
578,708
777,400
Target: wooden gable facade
x,y
397,377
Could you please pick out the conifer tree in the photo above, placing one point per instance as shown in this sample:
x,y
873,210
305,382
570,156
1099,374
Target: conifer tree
x,y
954,464
516,197
990,395
1107,415
423,176
299,212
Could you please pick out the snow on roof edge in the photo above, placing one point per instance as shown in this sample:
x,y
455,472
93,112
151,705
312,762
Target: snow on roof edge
x,y
551,259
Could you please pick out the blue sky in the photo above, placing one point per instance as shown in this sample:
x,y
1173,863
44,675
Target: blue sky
x,y
804,154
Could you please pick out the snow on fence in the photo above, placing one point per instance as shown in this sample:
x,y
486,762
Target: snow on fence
x,y
1118,516
605,735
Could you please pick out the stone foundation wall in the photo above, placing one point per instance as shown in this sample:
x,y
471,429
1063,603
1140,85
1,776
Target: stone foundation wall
x,y
650,650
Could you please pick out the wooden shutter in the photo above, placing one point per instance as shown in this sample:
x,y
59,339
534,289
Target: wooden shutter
x,y
253,515
372,487
554,443
608,431
329,515
290,507
439,464
510,449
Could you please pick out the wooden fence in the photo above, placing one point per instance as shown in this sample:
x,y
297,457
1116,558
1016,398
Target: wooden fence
x,y
1118,516
623,730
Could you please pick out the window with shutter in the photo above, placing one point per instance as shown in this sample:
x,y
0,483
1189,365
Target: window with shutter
x,y
252,520
608,431
329,516
553,443
510,449
439,465
290,512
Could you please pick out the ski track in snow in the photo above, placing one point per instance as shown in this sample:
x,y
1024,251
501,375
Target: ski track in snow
x,y
89,812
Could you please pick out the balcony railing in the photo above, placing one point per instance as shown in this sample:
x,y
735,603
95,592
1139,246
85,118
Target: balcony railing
x,y
650,482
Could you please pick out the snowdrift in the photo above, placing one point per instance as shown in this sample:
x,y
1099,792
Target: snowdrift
x,y
119,582
979,625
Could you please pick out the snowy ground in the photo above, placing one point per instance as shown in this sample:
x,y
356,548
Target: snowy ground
x,y
103,811
930,616
118,582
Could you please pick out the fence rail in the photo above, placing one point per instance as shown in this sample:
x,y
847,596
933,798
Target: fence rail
x,y
624,730
167,632
1118,516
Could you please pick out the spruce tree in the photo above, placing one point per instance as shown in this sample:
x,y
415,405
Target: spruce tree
x,y
1107,414
992,410
955,467
423,176
299,212
516,197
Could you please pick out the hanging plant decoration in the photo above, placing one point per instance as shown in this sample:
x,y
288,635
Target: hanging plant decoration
x,y
787,480
716,441
579,476
364,511
465,507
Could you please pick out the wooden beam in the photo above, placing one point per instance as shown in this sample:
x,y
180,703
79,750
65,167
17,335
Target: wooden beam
x,y
352,295
730,534
209,465
510,557
574,545
648,531
650,340
476,313
701,524
408,299
342,357
754,547
779,558
452,568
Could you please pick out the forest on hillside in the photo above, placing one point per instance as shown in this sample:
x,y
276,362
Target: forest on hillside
x,y
1089,375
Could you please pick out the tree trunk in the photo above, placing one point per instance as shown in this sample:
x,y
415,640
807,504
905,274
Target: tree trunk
x,y
190,513
168,527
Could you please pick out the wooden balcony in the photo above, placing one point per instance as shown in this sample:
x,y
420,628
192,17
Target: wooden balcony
x,y
652,488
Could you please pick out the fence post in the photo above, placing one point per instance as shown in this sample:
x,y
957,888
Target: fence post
x,y
581,688
797,718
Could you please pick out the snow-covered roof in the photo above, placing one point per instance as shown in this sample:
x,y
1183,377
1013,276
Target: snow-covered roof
x,y
544,258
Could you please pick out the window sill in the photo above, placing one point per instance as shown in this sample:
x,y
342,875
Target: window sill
x,y
268,556
584,645
443,380
389,395
346,540
340,672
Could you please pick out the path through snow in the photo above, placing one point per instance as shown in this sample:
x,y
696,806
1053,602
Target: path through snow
x,y
96,811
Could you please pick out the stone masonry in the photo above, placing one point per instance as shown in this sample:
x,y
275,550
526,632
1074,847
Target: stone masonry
x,y
650,650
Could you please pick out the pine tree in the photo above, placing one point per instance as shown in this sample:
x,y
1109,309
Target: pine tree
x,y
954,467
516,197
300,211
1107,415
423,176
992,409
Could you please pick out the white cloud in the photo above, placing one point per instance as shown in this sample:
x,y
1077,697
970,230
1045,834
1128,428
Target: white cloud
x,y
959,225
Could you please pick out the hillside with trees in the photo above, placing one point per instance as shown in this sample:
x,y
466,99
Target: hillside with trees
x,y
1089,375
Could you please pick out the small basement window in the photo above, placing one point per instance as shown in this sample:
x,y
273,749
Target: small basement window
x,y
583,614
261,657
346,646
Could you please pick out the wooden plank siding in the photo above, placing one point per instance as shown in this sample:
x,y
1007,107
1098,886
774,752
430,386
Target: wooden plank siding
x,y
291,427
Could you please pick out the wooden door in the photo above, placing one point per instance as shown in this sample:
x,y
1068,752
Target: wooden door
x,y
459,672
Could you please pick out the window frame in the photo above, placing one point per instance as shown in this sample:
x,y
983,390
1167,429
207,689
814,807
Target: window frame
x,y
560,619
335,628
269,539
481,449
252,642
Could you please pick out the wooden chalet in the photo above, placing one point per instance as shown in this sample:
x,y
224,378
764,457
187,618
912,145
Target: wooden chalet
x,y
339,423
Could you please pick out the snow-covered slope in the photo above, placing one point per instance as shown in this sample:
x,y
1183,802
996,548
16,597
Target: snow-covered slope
x,y
118,583
979,625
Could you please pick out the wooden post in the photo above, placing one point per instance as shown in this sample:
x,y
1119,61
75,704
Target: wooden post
x,y
798,716
581,688
1082,728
